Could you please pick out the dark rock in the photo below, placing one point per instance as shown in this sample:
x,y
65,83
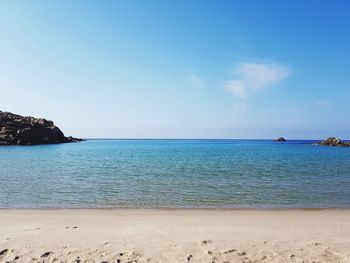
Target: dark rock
x,y
19,130
332,141
280,139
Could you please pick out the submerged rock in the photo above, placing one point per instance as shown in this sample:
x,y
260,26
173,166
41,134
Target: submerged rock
x,y
332,141
20,130
280,139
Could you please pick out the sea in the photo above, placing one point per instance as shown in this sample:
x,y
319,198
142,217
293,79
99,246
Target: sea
x,y
122,173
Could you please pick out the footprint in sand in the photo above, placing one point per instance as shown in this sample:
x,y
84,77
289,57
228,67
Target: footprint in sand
x,y
38,228
230,251
205,242
3,252
242,253
46,254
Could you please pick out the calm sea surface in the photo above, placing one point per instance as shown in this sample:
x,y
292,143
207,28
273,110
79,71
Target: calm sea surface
x,y
175,173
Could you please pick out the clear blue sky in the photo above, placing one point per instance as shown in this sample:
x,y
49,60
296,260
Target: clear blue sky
x,y
179,69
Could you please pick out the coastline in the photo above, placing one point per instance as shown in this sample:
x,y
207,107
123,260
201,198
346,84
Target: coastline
x,y
160,209
175,235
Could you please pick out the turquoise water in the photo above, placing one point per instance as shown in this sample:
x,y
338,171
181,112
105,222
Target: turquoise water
x,y
175,173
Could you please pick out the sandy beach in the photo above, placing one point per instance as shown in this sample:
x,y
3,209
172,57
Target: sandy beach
x,y
174,235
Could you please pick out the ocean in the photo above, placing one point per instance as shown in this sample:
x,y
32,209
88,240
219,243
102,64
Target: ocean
x,y
259,174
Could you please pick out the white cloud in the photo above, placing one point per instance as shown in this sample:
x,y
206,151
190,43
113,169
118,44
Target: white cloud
x,y
322,103
255,76
259,76
237,88
196,81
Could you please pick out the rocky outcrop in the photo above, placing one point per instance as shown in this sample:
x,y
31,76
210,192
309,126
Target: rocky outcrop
x,y
280,139
19,130
332,141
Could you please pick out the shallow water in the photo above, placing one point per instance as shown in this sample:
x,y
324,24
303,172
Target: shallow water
x,y
175,173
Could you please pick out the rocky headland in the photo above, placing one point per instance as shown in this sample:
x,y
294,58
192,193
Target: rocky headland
x,y
332,141
22,130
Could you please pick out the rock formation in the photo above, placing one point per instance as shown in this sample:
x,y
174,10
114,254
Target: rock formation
x,y
20,130
280,139
332,141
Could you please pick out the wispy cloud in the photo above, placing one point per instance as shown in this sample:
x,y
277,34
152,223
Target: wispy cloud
x,y
196,81
322,103
255,76
237,88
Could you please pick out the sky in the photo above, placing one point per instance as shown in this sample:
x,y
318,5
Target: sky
x,y
179,69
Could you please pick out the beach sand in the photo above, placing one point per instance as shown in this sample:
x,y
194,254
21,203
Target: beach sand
x,y
131,235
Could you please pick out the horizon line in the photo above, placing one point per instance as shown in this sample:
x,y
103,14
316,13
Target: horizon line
x,y
140,138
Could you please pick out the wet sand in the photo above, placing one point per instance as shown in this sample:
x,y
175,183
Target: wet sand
x,y
132,235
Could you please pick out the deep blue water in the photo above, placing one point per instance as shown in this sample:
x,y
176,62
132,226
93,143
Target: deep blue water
x,y
175,173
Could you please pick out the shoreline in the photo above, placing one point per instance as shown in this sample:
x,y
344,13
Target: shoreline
x,y
164,209
144,235
160,209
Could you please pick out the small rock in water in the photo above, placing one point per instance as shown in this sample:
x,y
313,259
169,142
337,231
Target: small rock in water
x,y
280,139
332,141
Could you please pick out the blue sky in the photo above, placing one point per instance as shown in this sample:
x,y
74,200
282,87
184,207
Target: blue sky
x,y
179,69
